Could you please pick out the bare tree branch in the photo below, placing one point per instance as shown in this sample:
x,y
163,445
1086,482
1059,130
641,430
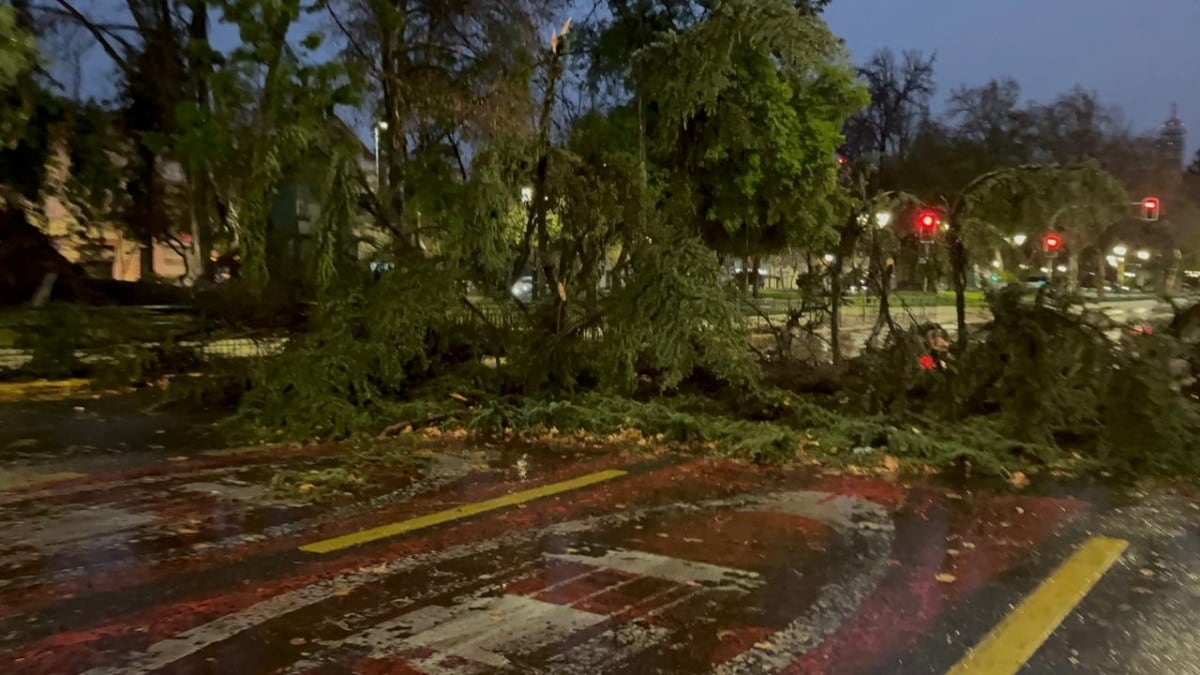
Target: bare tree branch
x,y
102,36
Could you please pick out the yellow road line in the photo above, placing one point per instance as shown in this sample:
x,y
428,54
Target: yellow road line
x,y
41,389
1022,632
33,480
457,513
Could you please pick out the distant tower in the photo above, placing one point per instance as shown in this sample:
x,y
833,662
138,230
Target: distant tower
x,y
1172,139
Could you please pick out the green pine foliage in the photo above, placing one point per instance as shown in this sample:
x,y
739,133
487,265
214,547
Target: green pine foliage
x,y
372,344
674,316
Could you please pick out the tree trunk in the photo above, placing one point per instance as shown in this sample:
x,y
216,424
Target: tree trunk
x,y
1101,273
845,249
882,272
544,258
204,197
958,267
393,141
835,309
755,280
1073,271
146,261
1171,278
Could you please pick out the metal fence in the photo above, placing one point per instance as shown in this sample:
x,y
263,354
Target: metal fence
x,y
88,337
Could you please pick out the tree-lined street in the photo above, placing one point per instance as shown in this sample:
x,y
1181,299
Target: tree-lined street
x,y
616,336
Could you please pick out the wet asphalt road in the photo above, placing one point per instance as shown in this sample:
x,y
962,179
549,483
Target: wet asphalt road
x,y
140,551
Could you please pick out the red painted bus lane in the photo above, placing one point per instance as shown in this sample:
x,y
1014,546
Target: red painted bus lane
x,y
697,567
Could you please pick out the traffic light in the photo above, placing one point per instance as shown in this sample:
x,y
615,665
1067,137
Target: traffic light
x,y
927,222
1150,207
1052,242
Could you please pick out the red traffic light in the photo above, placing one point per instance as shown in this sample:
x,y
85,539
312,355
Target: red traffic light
x,y
1052,241
927,222
1150,208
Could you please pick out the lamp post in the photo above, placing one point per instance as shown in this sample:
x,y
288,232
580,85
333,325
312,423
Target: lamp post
x,y
379,126
883,219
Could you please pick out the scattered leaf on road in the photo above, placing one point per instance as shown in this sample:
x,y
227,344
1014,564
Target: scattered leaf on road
x,y
1019,479
946,578
298,641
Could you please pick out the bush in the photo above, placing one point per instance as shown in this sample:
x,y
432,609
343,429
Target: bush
x,y
1038,377
369,347
54,335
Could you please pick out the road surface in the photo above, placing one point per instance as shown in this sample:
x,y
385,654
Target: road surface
x,y
167,556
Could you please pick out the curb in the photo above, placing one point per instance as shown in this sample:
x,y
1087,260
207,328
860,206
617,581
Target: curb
x,y
42,390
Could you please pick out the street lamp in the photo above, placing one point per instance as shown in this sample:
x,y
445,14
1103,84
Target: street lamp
x,y
829,258
1119,250
883,219
1143,255
1019,239
381,125
526,195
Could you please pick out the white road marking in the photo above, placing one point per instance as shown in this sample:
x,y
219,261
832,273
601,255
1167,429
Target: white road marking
x,y
621,642
484,632
165,652
671,569
862,522
863,525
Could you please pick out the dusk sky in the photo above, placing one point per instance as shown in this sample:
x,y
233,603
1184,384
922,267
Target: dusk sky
x,y
1137,54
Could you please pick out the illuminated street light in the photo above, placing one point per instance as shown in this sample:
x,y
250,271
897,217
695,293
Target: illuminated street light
x,y
1019,239
1143,255
829,258
1120,250
883,219
526,195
